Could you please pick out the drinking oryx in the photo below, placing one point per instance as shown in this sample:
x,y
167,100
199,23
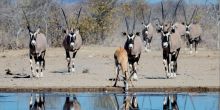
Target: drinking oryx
x,y
148,32
133,46
37,49
193,31
171,44
72,42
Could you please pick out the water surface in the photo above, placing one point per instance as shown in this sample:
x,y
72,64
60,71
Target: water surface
x,y
109,101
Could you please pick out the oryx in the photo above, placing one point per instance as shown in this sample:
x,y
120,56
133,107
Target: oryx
x,y
148,32
72,42
133,46
171,44
193,31
37,49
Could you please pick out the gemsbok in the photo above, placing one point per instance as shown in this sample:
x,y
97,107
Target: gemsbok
x,y
171,44
193,31
148,32
37,49
72,42
121,62
133,46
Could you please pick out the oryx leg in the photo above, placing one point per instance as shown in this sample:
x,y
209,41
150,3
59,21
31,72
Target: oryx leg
x,y
190,45
73,62
31,63
117,74
146,47
68,60
133,73
37,66
166,64
41,65
43,60
196,43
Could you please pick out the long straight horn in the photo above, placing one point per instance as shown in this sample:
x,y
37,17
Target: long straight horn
x,y
185,15
149,17
162,10
28,25
193,15
134,21
142,12
174,14
126,22
78,15
65,18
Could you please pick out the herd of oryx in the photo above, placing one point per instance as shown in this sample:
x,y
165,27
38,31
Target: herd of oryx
x,y
171,31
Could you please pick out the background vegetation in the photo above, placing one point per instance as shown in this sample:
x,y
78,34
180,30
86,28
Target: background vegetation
x,y
101,21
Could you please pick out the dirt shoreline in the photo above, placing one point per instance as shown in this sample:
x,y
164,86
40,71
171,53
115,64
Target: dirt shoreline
x,y
95,66
109,89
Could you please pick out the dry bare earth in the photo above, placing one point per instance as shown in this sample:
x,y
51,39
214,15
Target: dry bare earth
x,y
95,66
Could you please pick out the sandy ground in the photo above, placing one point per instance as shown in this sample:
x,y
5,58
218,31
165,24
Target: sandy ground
x,y
95,66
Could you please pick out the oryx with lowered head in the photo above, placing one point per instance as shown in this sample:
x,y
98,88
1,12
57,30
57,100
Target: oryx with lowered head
x,y
171,44
72,42
148,32
133,46
37,49
193,31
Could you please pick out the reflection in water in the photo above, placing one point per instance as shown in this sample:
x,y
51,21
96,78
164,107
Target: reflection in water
x,y
170,99
130,102
71,104
109,101
39,102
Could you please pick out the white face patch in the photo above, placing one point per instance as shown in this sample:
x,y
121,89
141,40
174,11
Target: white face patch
x,y
161,27
33,42
72,44
165,44
187,32
146,32
130,45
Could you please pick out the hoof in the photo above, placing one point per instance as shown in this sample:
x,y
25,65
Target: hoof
x,y
41,74
73,70
135,77
168,75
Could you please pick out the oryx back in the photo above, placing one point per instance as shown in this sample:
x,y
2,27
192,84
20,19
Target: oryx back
x,y
175,41
195,30
41,43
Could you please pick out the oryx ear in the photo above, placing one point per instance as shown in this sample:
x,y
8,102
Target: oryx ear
x,y
189,25
124,33
183,23
137,33
37,31
143,24
64,31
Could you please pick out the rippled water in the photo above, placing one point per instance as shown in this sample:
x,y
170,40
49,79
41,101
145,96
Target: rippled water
x,y
108,101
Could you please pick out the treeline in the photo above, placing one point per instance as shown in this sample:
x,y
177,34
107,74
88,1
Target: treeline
x,y
101,21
